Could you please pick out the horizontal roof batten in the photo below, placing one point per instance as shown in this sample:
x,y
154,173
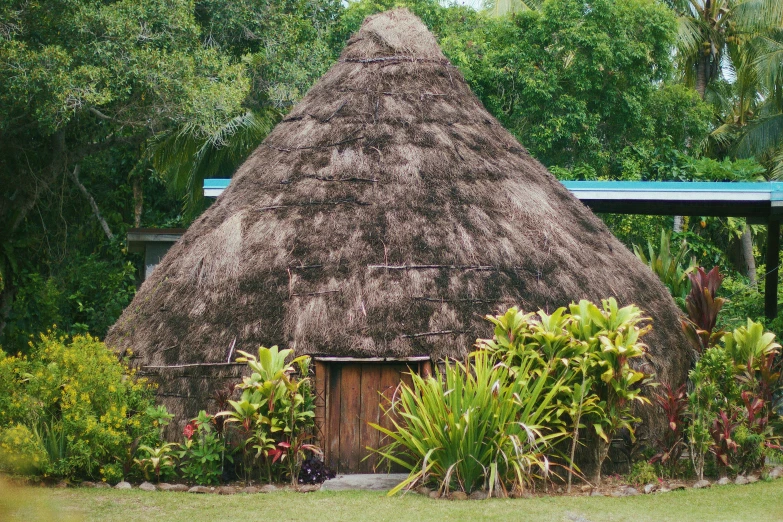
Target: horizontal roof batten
x,y
416,358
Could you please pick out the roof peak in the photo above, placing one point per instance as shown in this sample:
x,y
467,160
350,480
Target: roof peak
x,y
393,34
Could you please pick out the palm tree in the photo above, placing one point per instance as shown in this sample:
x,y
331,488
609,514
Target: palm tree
x,y
762,137
708,28
714,37
187,156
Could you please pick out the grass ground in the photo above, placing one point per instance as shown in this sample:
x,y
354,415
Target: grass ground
x,y
761,502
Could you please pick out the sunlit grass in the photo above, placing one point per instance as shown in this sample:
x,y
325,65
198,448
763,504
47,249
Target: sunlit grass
x,y
761,501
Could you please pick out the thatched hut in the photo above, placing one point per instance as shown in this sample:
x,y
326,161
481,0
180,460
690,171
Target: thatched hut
x,y
374,228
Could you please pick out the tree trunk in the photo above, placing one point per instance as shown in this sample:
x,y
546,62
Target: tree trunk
x,y
677,227
6,301
601,450
75,177
701,76
138,201
748,260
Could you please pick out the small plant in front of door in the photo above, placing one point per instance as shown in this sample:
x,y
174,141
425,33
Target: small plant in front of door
x,y
274,417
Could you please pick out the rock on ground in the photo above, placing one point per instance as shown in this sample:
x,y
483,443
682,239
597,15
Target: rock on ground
x,y
201,489
724,481
368,481
147,486
173,487
123,485
741,480
424,491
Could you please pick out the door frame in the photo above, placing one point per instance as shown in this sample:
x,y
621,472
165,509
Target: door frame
x,y
420,364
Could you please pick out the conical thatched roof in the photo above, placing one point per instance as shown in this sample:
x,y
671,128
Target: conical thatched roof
x,y
384,216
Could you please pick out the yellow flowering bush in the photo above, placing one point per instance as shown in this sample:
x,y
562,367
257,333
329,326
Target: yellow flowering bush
x,y
21,452
84,405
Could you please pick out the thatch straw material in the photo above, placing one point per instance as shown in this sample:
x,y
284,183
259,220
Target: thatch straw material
x,y
384,216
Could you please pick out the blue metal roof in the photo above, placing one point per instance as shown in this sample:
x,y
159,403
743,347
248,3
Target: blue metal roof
x,y
216,183
741,199
771,191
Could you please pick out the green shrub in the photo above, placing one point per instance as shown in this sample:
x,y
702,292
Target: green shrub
x,y
751,449
589,349
84,405
201,456
21,452
551,374
642,472
732,403
112,473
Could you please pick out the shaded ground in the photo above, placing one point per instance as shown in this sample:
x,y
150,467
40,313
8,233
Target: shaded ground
x,y
762,501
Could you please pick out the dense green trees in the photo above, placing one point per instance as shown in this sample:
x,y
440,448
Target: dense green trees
x,y
88,91
112,111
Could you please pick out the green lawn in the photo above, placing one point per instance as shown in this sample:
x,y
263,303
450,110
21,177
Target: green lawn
x,y
761,502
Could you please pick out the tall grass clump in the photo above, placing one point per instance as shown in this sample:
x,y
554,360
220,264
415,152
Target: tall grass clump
x,y
472,427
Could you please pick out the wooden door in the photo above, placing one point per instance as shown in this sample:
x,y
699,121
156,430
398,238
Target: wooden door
x,y
354,394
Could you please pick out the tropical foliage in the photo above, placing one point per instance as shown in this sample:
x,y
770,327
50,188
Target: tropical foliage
x,y
731,402
274,417
474,427
72,406
668,265
537,381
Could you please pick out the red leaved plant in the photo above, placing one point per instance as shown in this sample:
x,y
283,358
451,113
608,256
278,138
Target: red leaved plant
x,y
671,444
703,308
723,445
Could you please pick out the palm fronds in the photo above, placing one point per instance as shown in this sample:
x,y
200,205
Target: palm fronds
x,y
188,155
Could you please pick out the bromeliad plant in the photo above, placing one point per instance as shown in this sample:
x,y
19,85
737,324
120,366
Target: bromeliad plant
x,y
668,265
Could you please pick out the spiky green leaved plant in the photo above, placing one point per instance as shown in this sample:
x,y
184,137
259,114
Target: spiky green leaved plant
x,y
472,426
668,264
